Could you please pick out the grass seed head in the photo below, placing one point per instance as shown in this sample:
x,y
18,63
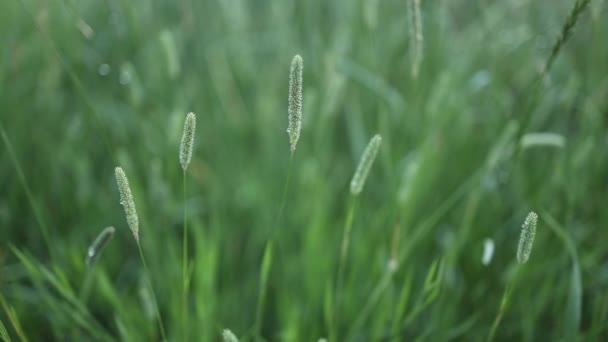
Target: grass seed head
x,y
295,101
126,199
99,244
365,164
228,336
526,239
187,144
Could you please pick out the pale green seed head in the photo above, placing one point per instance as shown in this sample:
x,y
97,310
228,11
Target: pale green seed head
x,y
228,336
526,239
295,101
126,199
98,245
187,144
365,164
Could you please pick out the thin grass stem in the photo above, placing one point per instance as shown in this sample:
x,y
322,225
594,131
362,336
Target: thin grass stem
x,y
185,279
149,283
257,330
277,219
344,247
501,311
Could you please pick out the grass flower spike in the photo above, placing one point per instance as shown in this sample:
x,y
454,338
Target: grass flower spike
x,y
126,199
526,239
186,146
365,164
228,336
99,244
295,101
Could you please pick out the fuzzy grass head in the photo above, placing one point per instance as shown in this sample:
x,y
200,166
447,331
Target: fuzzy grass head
x,y
526,239
126,199
187,144
99,244
295,101
365,164
228,336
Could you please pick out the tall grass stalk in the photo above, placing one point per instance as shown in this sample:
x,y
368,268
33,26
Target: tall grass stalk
x,y
294,111
267,258
185,156
501,311
344,245
524,248
159,318
185,278
128,203
566,33
356,186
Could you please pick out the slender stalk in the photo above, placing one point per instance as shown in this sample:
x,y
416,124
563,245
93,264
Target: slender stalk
x,y
501,311
265,270
284,197
185,156
372,301
566,33
149,283
83,295
348,224
267,260
185,279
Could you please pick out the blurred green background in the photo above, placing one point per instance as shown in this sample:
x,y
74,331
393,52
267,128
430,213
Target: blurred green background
x,y
89,85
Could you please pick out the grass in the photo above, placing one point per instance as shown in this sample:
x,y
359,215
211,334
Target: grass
x,y
507,114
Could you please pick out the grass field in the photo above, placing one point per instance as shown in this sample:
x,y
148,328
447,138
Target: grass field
x,y
487,109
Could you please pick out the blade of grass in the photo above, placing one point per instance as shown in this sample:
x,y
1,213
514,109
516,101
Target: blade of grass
x,y
574,305
28,192
13,318
266,265
3,333
344,246
74,309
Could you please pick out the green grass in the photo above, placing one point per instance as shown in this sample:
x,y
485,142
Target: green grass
x,y
452,170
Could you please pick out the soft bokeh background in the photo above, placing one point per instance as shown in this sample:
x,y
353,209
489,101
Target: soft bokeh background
x,y
88,85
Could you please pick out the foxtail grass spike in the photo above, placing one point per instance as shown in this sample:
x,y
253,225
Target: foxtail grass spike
x,y
126,199
99,244
365,164
185,148
295,101
228,336
526,239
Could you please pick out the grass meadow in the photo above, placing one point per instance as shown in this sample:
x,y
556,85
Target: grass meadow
x,y
487,110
